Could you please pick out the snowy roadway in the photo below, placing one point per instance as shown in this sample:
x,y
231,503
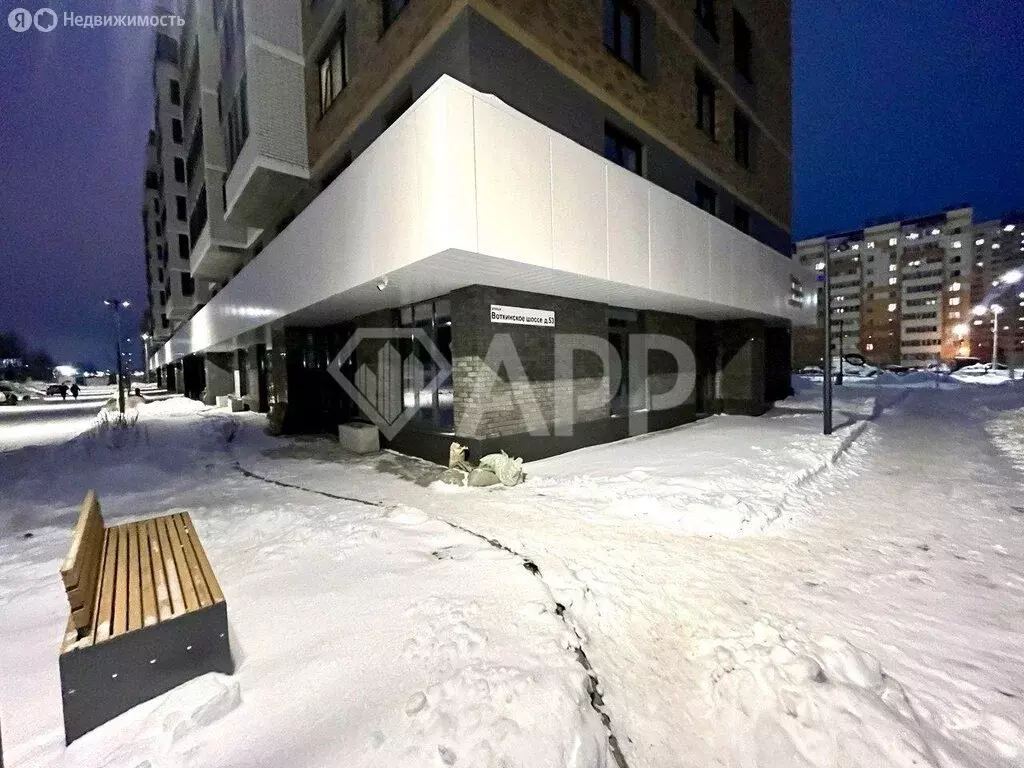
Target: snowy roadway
x,y
746,591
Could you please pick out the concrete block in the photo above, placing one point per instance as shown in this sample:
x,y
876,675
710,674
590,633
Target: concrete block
x,y
359,437
223,401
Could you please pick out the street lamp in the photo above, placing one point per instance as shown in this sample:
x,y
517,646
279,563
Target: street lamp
x,y
995,309
145,350
116,305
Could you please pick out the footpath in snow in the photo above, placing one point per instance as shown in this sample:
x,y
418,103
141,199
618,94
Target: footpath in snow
x,y
746,592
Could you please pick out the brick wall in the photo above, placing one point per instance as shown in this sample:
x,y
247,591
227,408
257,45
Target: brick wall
x,y
487,403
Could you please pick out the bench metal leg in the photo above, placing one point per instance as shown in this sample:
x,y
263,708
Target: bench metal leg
x,y
104,680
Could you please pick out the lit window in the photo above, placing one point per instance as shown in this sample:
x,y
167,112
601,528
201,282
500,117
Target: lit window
x,y
995,246
855,246
871,244
954,315
935,231
869,347
820,266
957,244
892,241
954,301
892,307
1009,228
892,281
892,267
980,241
954,287
913,236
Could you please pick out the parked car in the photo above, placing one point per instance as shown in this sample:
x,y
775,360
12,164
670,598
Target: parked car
x,y
7,394
854,364
899,370
53,389
963,362
812,370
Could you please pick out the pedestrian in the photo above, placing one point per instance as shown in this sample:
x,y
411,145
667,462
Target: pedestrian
x,y
63,391
74,390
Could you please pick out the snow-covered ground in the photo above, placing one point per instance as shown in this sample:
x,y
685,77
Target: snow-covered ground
x,y
741,592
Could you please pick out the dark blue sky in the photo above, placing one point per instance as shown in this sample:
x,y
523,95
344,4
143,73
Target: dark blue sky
x,y
902,106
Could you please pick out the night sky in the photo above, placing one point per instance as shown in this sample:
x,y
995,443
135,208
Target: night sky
x,y
900,107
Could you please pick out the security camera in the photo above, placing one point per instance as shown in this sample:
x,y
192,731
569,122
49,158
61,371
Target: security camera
x,y
382,284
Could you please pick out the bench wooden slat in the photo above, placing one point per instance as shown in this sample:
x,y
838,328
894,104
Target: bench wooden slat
x,y
81,538
81,568
211,581
170,568
198,578
121,585
150,616
163,596
105,598
134,579
188,589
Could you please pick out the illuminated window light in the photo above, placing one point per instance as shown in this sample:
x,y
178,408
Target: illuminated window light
x,y
820,266
892,267
869,347
892,281
957,244
935,231
995,246
892,241
855,246
954,301
892,307
871,244
980,241
954,287
1009,228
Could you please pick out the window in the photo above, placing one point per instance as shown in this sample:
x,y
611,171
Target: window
x,y
741,139
183,246
707,198
188,285
156,207
176,130
163,298
391,9
741,218
743,46
334,69
954,301
179,170
175,93
705,103
623,150
622,31
705,11
179,201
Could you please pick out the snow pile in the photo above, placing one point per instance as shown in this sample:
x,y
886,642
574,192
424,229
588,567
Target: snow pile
x,y
1007,432
172,406
697,479
816,703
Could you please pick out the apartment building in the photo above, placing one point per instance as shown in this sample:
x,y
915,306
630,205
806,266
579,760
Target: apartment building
x,y
610,167
903,291
156,327
999,246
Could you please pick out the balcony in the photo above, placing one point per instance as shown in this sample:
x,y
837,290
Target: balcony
x,y
264,118
215,259
498,200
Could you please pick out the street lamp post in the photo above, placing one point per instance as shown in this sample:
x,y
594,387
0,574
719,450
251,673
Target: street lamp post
x,y
995,309
117,305
145,352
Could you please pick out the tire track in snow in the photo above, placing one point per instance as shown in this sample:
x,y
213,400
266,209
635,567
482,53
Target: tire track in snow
x,y
593,682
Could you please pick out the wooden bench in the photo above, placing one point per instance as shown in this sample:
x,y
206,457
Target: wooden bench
x,y
147,615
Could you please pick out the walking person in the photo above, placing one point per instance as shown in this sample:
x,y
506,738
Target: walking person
x,y
74,390
63,391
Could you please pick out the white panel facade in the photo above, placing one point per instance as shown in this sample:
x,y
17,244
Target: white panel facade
x,y
460,174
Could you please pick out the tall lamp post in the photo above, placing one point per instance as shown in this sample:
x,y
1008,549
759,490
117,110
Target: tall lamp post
x,y
981,310
145,351
117,305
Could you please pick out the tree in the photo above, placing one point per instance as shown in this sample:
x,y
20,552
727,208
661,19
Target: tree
x,y
40,366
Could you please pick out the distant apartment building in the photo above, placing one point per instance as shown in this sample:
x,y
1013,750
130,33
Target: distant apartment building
x,y
904,291
616,167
